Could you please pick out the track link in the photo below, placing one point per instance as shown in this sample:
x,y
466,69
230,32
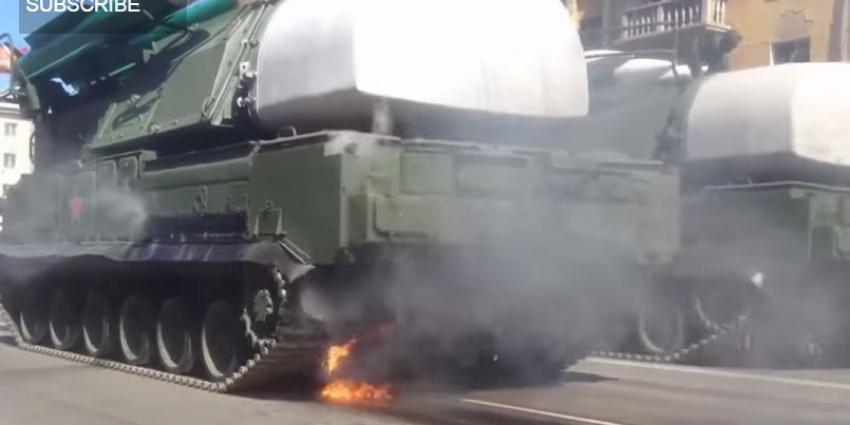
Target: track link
x,y
274,360
717,334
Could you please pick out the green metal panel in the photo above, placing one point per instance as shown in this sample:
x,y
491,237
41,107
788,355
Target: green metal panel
x,y
658,219
305,185
492,175
174,201
186,95
428,172
128,171
784,225
199,174
176,104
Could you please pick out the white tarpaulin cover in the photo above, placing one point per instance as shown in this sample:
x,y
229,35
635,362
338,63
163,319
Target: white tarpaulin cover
x,y
797,109
520,57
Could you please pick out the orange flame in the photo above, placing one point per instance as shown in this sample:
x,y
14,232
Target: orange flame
x,y
338,353
347,390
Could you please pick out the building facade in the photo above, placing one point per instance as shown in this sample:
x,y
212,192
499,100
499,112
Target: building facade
x,y
772,31
15,134
782,31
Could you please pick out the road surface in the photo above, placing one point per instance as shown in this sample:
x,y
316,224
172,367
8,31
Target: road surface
x,y
609,392
36,389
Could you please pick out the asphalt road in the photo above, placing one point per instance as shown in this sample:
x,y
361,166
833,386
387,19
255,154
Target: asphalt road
x,y
36,389
608,392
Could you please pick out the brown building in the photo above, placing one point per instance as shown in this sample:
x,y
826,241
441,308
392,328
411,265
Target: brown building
x,y
789,31
772,31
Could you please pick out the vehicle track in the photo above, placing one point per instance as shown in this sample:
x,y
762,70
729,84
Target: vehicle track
x,y
687,354
274,360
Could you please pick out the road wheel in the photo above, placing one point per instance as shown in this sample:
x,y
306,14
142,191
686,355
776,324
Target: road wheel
x,y
65,329
98,321
175,337
136,326
221,340
719,307
32,319
661,327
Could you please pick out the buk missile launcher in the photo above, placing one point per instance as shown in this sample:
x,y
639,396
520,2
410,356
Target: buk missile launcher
x,y
766,177
222,189
763,166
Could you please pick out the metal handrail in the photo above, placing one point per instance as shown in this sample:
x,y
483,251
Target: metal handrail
x,y
668,15
716,7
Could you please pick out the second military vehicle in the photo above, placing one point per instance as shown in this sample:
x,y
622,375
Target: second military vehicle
x,y
764,182
766,179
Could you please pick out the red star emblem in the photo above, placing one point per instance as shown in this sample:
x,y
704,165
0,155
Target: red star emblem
x,y
75,207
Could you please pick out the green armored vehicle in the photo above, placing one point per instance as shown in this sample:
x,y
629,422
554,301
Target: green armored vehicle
x,y
763,193
766,179
674,302
225,188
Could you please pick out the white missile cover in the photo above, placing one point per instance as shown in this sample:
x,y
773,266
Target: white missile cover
x,y
798,109
520,57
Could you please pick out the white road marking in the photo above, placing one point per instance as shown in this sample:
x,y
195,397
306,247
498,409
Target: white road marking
x,y
724,373
548,414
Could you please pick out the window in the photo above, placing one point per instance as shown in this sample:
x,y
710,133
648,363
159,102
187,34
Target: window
x,y
791,51
9,160
10,129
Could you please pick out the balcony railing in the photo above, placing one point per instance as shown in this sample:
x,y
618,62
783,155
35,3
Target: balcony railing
x,y
671,15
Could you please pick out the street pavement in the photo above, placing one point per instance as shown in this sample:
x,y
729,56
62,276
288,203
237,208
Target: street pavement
x,y
37,389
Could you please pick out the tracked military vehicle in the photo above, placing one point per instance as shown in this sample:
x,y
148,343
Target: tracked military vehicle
x,y
673,303
763,180
762,162
766,178
224,188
